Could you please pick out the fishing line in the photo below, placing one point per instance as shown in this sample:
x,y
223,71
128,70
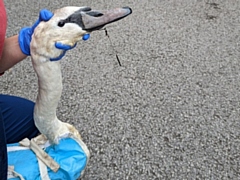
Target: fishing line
x,y
106,33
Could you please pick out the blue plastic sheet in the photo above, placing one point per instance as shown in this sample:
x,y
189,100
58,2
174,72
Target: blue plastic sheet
x,y
68,154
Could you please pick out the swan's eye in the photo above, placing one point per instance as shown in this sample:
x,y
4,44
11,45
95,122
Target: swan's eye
x,y
61,23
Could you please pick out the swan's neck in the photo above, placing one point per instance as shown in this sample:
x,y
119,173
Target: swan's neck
x,y
49,93
50,87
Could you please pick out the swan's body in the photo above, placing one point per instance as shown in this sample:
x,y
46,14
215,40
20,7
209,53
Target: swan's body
x,y
77,22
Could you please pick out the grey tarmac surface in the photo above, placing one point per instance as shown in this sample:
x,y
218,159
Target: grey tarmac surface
x,y
172,110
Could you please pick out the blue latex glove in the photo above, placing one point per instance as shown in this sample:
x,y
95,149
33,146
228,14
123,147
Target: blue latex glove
x,y
25,34
86,37
66,47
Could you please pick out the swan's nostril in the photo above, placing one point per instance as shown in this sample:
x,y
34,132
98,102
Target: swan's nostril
x,y
94,13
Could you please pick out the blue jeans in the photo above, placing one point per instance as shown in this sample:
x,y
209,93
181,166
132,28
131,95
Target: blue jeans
x,y
16,123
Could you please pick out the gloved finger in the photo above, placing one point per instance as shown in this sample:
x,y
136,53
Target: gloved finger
x,y
64,46
59,57
35,25
45,15
86,37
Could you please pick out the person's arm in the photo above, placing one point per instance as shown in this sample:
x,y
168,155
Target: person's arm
x,y
17,48
11,54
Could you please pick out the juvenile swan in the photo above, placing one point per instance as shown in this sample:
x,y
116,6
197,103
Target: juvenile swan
x,y
67,26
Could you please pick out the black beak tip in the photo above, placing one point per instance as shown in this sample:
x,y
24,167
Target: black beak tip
x,y
130,9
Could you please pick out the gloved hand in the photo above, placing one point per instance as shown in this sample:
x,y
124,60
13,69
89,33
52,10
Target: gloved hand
x,y
25,35
66,47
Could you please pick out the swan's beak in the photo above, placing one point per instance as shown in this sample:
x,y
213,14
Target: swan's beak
x,y
94,20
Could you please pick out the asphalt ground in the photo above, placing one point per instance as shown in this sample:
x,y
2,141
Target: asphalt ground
x,y
171,111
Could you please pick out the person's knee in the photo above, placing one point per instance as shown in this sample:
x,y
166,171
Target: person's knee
x,y
17,115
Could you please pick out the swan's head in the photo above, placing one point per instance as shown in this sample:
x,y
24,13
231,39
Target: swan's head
x,y
68,25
